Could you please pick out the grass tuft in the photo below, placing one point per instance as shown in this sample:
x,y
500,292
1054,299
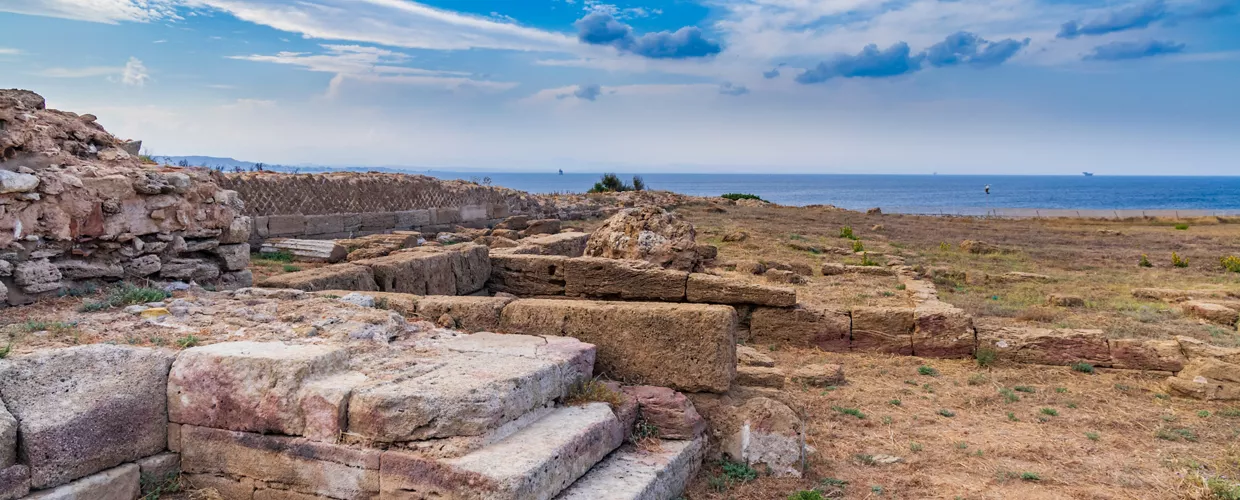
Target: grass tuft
x,y
849,411
125,295
947,413
928,371
1083,367
1231,263
1178,261
847,232
592,391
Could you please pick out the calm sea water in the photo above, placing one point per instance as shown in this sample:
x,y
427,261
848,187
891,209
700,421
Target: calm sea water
x,y
925,194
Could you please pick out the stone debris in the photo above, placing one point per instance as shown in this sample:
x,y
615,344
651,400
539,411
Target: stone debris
x,y
748,356
820,375
758,376
668,411
1214,313
650,234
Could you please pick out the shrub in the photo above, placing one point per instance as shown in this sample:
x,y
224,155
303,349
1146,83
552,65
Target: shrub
x,y
849,411
928,371
1177,261
1145,261
1029,476
915,447
867,261
858,246
1050,412
638,183
4,352
1181,227
985,356
1024,388
947,413
187,341
895,402
945,246
126,295
847,232
1176,434
289,268
807,495
1093,436
1083,367
610,183
592,391
1231,263
741,196
1008,395
739,472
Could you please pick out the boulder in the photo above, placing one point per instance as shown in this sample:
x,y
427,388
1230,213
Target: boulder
x,y
472,314
833,269
1207,379
1163,294
541,226
13,182
36,276
527,275
687,347
819,375
883,329
238,231
403,303
805,325
234,257
647,233
942,330
1045,346
81,269
333,277
119,483
306,250
471,265
768,434
759,376
1136,354
85,409
570,244
264,387
748,356
453,238
200,270
8,438
514,223
750,267
418,271
1193,348
378,245
622,279
711,289
1214,313
14,482
785,277
143,266
669,411
496,242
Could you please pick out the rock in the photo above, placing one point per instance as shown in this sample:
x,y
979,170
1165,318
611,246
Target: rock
x,y
883,329
571,244
472,314
1207,379
1061,300
471,267
785,277
161,467
120,483
234,257
819,375
1135,354
876,228
622,279
417,271
768,434
668,411
687,347
4,294
36,276
81,269
85,409
1193,348
140,267
235,280
716,290
1046,346
8,439
358,299
541,226
14,482
979,247
403,303
527,275
496,242
153,313
514,223
199,270
6,268
750,267
648,233
1214,313
509,234
446,321
379,245
803,326
453,238
941,330
306,250
832,269
633,474
333,277
757,376
1163,294
12,182
874,211
748,356
265,387
801,268
735,236
21,99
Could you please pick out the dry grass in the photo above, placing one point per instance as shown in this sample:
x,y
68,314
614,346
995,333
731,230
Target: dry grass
x,y
592,391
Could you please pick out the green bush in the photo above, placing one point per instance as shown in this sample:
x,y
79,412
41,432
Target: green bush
x,y
847,232
741,196
611,183
1145,261
1177,261
125,295
985,356
928,371
4,352
1083,367
1231,263
738,472
806,495
867,261
849,411
277,256
1181,227
858,246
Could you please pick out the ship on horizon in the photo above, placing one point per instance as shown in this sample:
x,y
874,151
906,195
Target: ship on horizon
x,y
1088,174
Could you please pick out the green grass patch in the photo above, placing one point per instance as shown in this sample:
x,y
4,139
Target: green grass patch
x,y
847,232
1083,367
928,371
849,411
1181,227
1093,436
1176,434
1049,412
1024,388
985,356
947,413
289,268
125,295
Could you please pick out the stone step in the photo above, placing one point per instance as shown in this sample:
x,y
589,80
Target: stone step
x,y
535,463
630,473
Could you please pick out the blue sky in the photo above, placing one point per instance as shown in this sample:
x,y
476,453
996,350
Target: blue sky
x,y
806,86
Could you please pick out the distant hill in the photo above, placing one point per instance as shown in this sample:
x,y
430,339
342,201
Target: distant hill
x,y
233,165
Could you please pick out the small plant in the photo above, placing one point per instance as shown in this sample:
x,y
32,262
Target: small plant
x,y
155,486
1231,263
877,490
1008,395
1177,261
977,379
610,183
945,246
849,411
1145,261
1012,417
1025,389
847,232
1181,227
187,341
1029,476
887,420
807,495
277,256
738,472
865,459
4,351
1072,405
1229,413
867,261
858,246
928,371
1061,390
947,413
1083,367
985,356
895,402
1204,414
1176,434
644,432
741,196
915,447
961,445
901,286
126,295
289,268
1050,412
592,391
1093,436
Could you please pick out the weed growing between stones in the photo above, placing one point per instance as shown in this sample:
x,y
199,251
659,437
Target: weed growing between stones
x,y
807,495
592,391
188,341
867,261
277,256
153,486
289,268
125,295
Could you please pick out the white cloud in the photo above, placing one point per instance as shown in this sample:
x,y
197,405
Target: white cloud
x,y
86,72
4,51
99,11
135,73
159,41
677,90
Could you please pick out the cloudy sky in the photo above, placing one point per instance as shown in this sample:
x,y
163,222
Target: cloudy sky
x,y
829,86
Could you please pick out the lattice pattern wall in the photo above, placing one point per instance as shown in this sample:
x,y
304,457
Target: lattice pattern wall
x,y
267,193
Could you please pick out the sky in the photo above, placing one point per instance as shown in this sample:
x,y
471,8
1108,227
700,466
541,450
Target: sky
x,y
1146,87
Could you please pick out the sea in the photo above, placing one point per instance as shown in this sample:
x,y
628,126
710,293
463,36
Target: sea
x,y
1008,195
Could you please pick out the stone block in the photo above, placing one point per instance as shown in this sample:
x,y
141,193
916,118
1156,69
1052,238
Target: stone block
x,y
603,278
324,224
333,277
1214,313
234,257
160,468
765,433
229,488
286,225
759,376
85,409
1194,348
199,270
306,250
748,356
633,474
14,482
819,375
473,213
403,303
805,325
264,387
527,275
1045,346
410,219
472,314
141,267
378,221
8,438
302,465
445,216
36,276
235,280
420,271
261,227
541,226
711,289
238,231
120,483
687,347
1136,354
352,223
514,223
1207,379
669,411
942,331
471,265
82,270
883,329
571,244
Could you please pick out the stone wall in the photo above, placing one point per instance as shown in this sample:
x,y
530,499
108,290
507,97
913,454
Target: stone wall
x,y
77,206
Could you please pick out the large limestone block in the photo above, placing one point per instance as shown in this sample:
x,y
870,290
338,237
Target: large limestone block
x,y
1207,379
266,387
473,314
403,303
1214,313
378,221
410,219
1194,348
527,275
420,271
286,225
570,244
200,270
535,463
601,278
8,438
479,384
805,325
234,257
238,231
120,483
85,409
883,329
14,482
633,474
716,290
304,466
472,267
541,226
687,347
668,411
306,250
1045,346
760,376
333,277
767,433
1137,354
942,331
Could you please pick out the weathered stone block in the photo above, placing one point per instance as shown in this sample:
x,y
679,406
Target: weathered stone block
x,y
333,277
1214,313
472,314
120,483
527,275
603,278
687,347
804,325
716,290
541,226
1136,354
571,244
324,224
306,250
819,375
235,280
238,231
378,221
304,466
266,387
883,329
234,257
669,411
942,331
420,272
36,276
445,215
286,225
160,468
473,213
1044,346
472,267
514,223
410,219
199,270
140,267
8,438
766,432
748,356
81,269
403,303
633,474
759,376
85,409
14,482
